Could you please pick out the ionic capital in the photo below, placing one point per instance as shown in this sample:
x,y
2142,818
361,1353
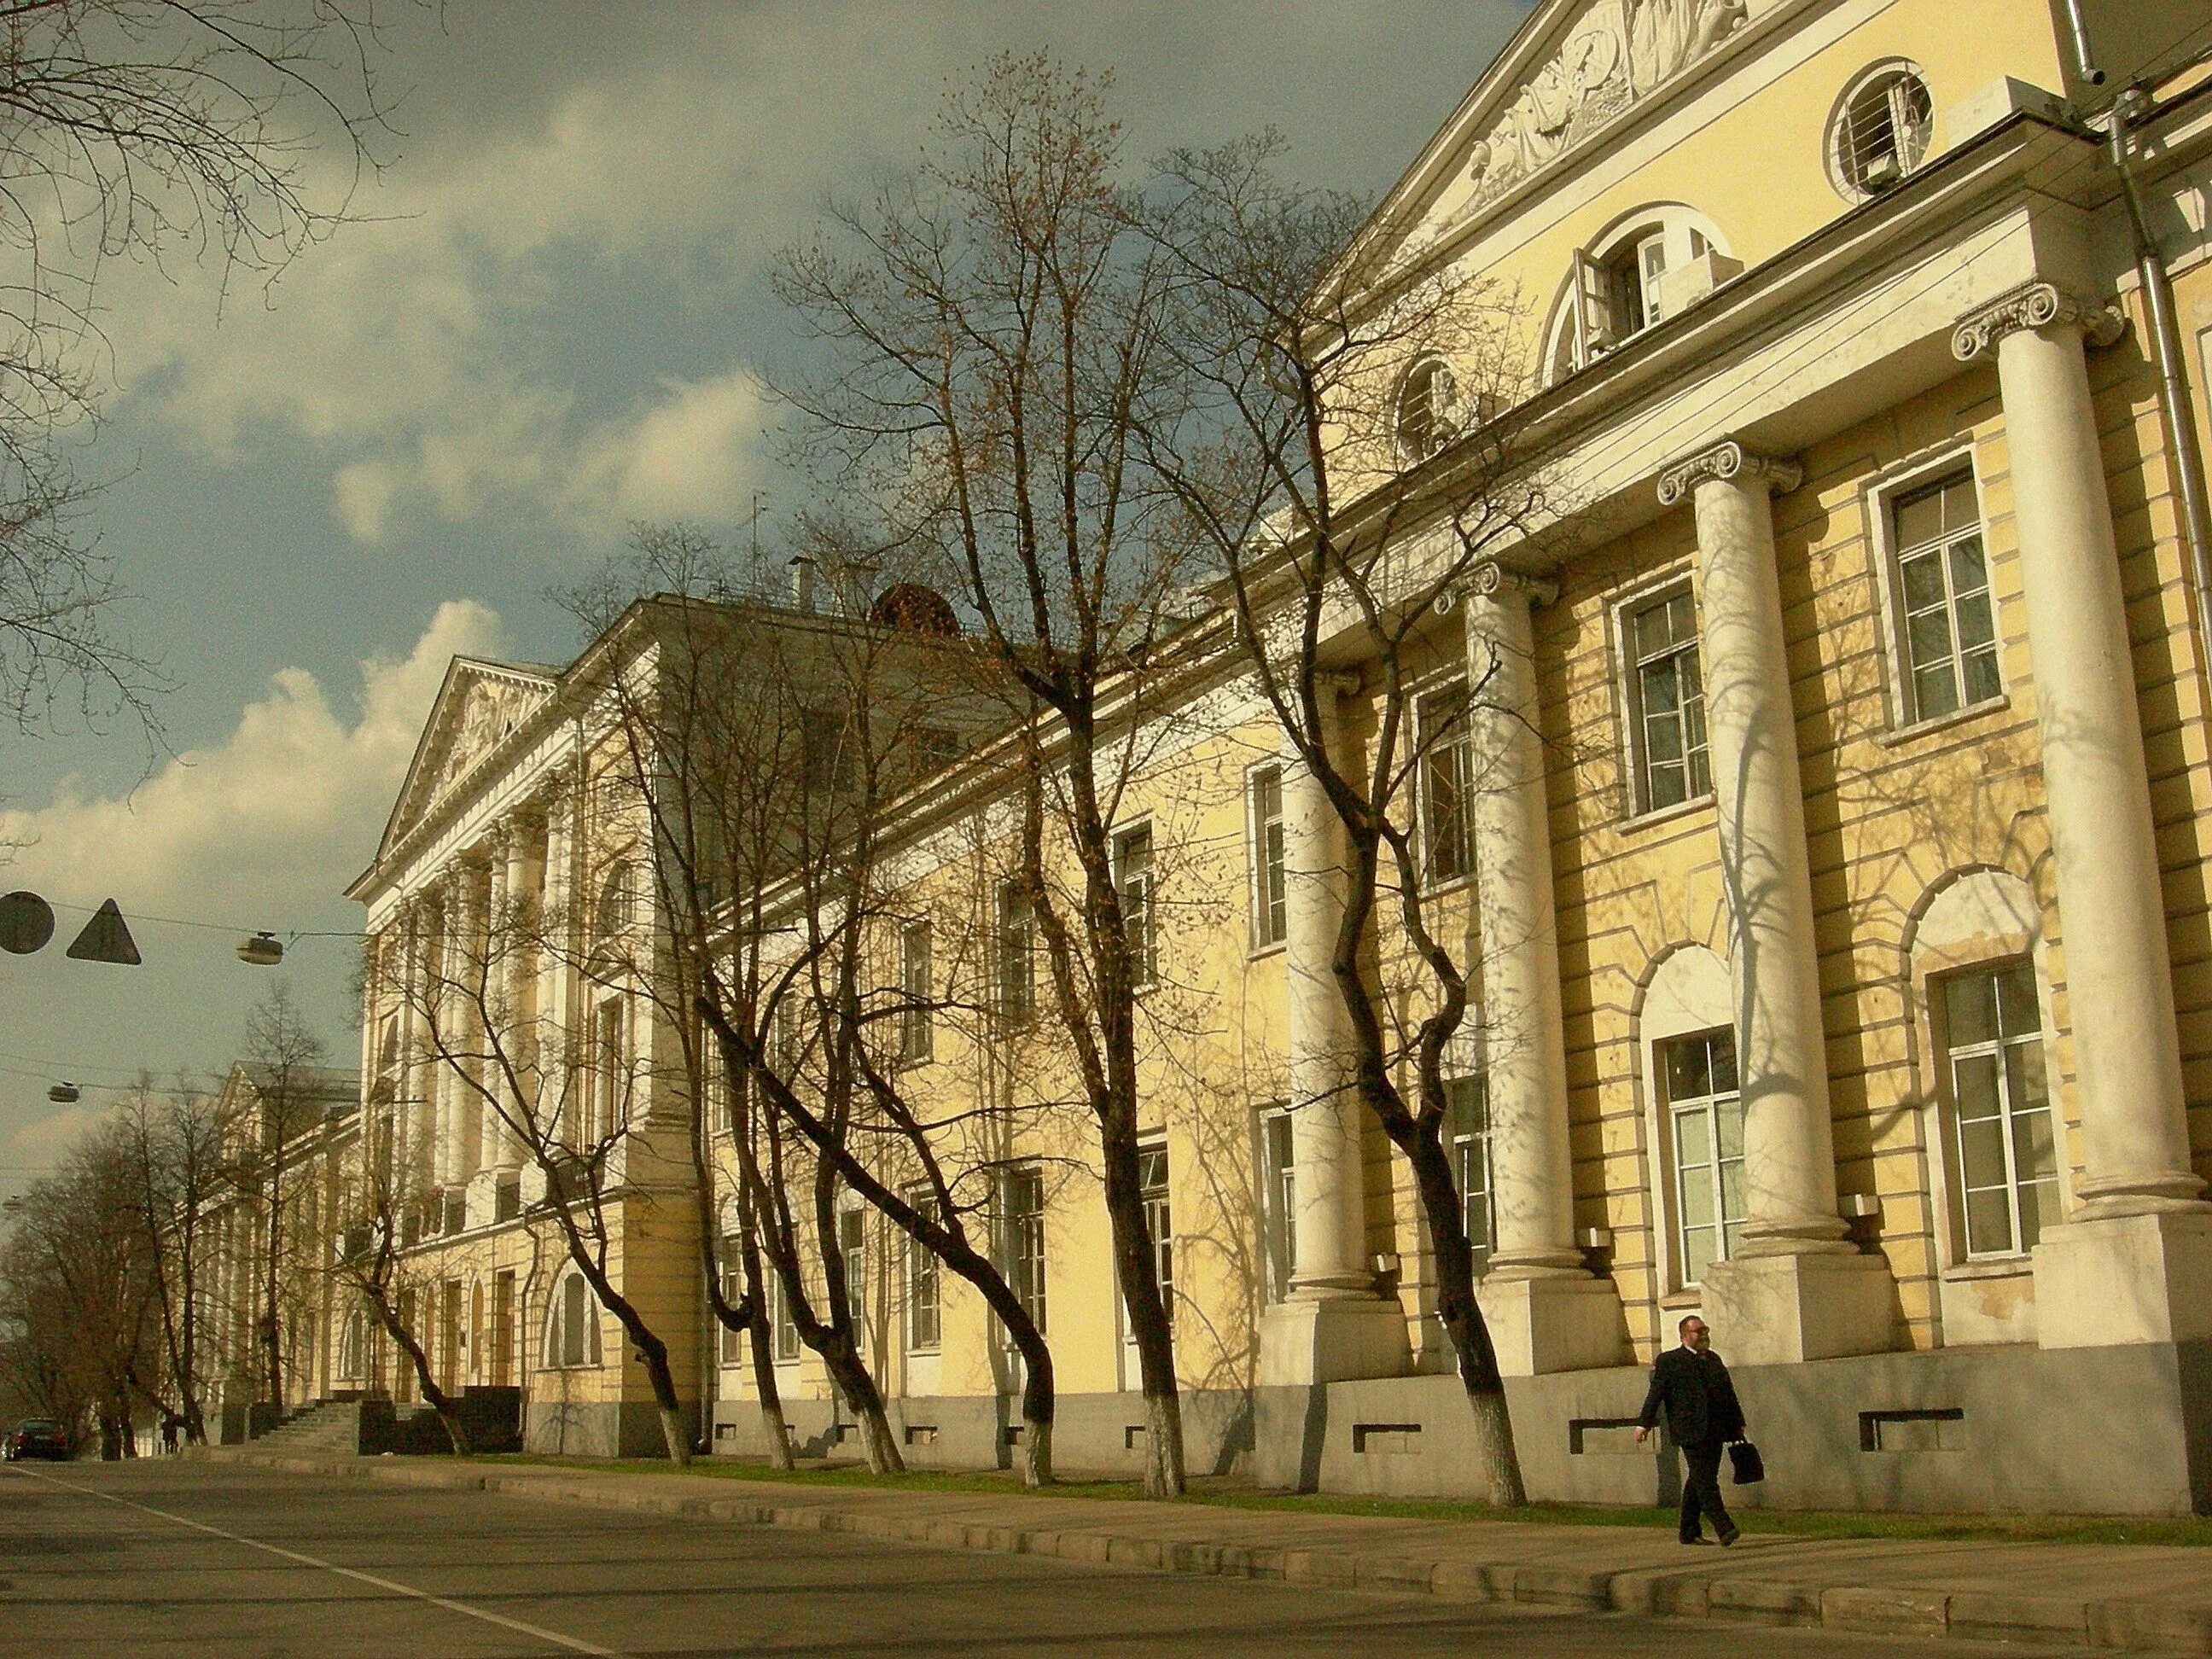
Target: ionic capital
x,y
1493,580
2034,306
1723,463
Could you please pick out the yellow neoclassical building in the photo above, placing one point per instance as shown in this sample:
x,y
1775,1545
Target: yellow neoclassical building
x,y
1843,881
1847,903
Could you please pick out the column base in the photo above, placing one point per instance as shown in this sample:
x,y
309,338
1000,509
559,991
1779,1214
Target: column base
x,y
1333,1339
2114,1280
1778,1309
1553,1324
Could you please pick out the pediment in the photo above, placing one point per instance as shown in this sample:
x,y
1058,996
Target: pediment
x,y
1573,68
478,708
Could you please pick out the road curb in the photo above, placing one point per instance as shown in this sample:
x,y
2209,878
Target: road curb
x,y
1863,1609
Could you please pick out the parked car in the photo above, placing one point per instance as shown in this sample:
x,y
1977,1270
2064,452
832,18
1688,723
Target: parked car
x,y
38,1436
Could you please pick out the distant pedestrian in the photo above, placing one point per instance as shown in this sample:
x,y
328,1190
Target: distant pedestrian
x,y
1692,1386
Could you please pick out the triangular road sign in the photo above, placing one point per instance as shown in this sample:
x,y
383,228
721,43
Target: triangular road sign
x,y
105,938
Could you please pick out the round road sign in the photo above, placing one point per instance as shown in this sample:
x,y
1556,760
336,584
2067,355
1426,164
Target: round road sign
x,y
27,922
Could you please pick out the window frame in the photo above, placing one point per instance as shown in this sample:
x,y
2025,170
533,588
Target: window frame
x,y
1267,861
1145,967
1013,904
562,1323
1458,755
1441,423
1879,499
1625,609
1671,1112
917,1026
1468,1128
1024,1252
922,1271
1937,988
1841,155
612,1067
1279,1201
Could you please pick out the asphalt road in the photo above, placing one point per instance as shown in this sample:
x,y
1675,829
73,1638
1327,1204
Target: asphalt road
x,y
118,1561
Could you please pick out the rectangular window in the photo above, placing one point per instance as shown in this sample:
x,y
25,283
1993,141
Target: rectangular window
x,y
924,1320
1270,897
1440,723
1945,616
917,1030
1706,1130
733,1293
785,1042
1159,1220
786,1327
1022,1223
610,1073
1017,956
853,1251
1133,877
1468,1130
1279,1208
2008,1155
1667,693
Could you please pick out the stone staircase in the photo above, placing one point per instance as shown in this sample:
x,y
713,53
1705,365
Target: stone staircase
x,y
327,1428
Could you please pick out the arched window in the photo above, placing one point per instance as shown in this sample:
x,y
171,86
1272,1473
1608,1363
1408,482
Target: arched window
x,y
1880,130
1428,410
572,1325
1649,266
616,909
353,1347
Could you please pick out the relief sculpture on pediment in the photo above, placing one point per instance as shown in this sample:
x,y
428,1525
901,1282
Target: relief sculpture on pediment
x,y
1619,51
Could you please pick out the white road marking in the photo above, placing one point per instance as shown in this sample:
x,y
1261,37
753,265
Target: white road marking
x,y
534,1632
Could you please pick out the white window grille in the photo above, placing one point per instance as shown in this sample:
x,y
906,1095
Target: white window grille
x,y
1279,1201
1133,877
916,1027
1428,410
1882,131
1270,897
924,1309
1467,1124
1666,694
1705,1112
1946,615
2000,1104
1446,772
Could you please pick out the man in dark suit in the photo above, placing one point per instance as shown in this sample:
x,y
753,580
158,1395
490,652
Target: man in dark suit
x,y
1692,1386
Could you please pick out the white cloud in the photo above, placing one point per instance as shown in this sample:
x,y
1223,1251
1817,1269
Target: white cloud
x,y
269,824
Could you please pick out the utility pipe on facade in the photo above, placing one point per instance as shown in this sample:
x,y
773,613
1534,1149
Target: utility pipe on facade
x,y
2175,404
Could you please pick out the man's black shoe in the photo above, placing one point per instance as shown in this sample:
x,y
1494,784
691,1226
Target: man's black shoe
x,y
1730,1536
1706,1542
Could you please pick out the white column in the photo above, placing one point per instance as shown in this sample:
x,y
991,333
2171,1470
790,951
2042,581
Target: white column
x,y
412,1161
515,919
1331,1231
2137,1264
1332,1325
1544,1309
557,978
1774,1301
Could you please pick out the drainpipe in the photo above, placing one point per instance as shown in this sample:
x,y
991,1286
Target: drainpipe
x,y
2166,350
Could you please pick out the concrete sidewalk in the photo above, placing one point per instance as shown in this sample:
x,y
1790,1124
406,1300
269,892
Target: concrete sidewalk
x,y
2111,1596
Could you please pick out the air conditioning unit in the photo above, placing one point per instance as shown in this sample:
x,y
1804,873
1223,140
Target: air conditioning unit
x,y
1880,171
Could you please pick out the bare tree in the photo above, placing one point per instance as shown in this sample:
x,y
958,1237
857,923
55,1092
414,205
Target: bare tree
x,y
152,130
370,1264
994,319
77,1295
573,1103
284,1099
1335,458
170,1150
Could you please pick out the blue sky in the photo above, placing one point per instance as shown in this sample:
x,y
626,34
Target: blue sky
x,y
549,321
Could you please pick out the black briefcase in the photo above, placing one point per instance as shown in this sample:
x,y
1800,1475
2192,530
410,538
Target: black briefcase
x,y
1745,1467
